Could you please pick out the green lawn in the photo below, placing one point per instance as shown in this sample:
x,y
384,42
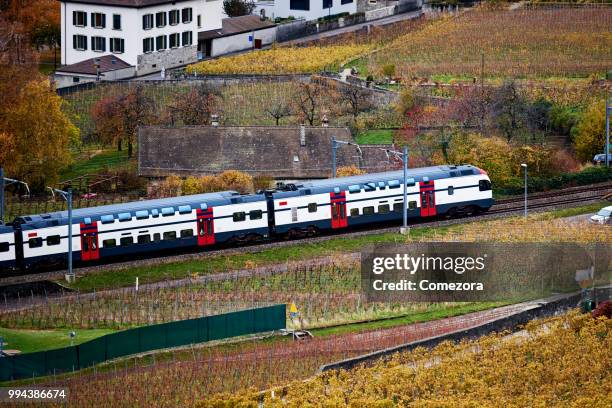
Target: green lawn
x,y
28,341
107,159
375,136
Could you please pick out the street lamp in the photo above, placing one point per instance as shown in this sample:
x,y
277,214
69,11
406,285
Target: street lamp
x,y
67,195
5,181
523,165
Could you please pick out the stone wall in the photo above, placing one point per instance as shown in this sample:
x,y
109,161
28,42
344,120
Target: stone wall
x,y
380,13
153,62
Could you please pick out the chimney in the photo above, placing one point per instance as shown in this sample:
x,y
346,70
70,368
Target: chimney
x,y
302,135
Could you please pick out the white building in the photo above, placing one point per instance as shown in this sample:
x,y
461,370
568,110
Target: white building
x,y
147,34
306,9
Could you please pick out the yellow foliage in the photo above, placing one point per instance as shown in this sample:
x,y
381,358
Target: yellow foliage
x,y
236,180
590,137
345,171
281,60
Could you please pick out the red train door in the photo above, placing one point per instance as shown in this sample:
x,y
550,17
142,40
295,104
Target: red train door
x,y
428,198
90,250
206,227
338,210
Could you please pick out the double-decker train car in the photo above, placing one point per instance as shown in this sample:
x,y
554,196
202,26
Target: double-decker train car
x,y
107,232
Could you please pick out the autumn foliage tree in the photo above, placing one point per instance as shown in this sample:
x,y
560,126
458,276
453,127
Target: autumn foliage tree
x,y
195,107
589,135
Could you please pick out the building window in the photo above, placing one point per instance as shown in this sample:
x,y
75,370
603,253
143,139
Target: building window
x,y
239,216
79,18
299,5
79,42
147,21
98,44
187,38
327,4
187,15
117,45
160,19
53,240
255,214
160,43
35,242
116,22
98,20
346,1
174,17
312,207
199,21
147,45
174,40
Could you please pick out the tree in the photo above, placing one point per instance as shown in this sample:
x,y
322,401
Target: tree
x,y
508,110
237,8
356,99
195,107
589,134
37,134
307,101
117,118
278,109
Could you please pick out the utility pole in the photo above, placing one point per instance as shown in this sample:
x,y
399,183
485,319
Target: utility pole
x,y
524,166
67,195
335,145
5,181
405,229
607,149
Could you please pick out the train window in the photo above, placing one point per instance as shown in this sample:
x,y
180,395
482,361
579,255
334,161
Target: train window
x,y
107,219
312,207
467,172
239,216
109,243
398,207
53,240
156,237
123,217
142,214
169,235
451,190
87,220
167,211
355,188
186,233
454,174
411,182
144,239
184,209
394,184
354,212
381,185
255,214
337,190
368,210
383,209
35,242
369,187
412,205
155,213
4,246
203,206
124,241
484,185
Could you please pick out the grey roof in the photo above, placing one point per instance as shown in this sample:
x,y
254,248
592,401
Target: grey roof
x,y
88,67
259,150
236,25
124,3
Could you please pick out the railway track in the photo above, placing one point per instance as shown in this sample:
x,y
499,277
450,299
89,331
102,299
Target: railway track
x,y
503,208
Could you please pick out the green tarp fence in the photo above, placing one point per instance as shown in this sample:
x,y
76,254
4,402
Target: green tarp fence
x,y
142,339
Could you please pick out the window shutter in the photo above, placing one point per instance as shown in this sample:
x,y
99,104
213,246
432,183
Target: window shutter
x,y
93,43
144,45
104,44
122,45
93,20
74,18
74,42
144,25
103,20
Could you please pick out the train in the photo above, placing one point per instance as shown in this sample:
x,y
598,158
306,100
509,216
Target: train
x,y
105,233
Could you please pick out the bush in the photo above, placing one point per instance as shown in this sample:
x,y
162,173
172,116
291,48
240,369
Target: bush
x,y
589,133
263,182
591,175
345,171
236,180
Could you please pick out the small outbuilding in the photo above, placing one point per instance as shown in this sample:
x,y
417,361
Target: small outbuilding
x,y
104,68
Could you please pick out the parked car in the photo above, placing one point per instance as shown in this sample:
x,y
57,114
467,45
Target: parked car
x,y
604,216
601,159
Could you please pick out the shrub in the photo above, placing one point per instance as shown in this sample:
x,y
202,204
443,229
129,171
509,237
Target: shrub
x,y
236,180
263,182
589,136
345,171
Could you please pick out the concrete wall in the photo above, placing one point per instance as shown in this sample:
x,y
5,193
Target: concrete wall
x,y
380,13
239,42
154,61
